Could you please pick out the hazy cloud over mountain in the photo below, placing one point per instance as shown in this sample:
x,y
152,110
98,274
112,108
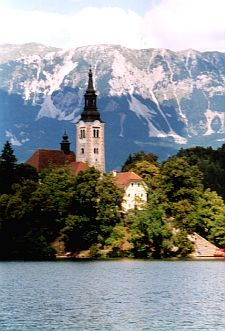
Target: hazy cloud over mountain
x,y
173,24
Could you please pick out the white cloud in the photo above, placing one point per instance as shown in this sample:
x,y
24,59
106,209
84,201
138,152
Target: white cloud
x,y
106,25
173,24
88,26
182,24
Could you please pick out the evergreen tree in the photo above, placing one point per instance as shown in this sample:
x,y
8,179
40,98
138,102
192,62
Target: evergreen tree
x,y
7,168
7,156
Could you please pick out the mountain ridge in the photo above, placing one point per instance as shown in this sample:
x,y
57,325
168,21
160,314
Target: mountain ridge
x,y
151,99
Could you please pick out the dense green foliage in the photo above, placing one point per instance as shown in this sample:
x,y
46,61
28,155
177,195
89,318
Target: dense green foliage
x,y
136,157
179,203
182,185
150,232
35,211
96,205
211,163
83,212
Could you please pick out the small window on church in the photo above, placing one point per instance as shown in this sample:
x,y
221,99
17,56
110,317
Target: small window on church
x,y
82,150
96,133
95,150
82,133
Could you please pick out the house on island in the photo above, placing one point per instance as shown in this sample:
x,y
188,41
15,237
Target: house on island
x,y
135,189
90,152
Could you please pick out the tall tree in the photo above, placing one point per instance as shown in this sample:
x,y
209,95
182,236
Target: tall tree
x,y
7,156
182,184
150,233
7,168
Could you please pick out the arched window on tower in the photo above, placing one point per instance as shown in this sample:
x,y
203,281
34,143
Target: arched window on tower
x,y
82,133
96,133
95,150
82,150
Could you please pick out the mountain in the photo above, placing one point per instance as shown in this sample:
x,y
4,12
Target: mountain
x,y
155,100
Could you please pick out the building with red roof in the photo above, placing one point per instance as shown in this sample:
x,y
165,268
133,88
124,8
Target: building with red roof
x,y
135,189
90,152
48,158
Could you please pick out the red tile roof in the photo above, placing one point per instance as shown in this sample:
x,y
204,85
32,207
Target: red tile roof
x,y
124,178
45,158
76,167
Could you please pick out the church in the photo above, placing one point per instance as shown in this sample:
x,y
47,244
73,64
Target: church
x,y
90,149
90,152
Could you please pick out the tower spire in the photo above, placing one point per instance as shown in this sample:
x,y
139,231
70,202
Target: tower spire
x,y
90,112
90,81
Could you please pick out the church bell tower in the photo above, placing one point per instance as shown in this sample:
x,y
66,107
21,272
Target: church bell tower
x,y
90,131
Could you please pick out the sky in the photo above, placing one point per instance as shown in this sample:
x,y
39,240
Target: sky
x,y
171,24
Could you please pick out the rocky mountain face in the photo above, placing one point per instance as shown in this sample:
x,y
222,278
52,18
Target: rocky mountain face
x,y
154,100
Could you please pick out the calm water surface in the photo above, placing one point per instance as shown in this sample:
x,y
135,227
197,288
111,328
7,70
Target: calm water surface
x,y
112,295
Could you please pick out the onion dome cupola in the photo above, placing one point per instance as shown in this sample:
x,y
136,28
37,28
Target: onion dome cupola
x,y
90,112
65,144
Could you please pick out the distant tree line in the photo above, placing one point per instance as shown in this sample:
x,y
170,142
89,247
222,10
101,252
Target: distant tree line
x,y
54,212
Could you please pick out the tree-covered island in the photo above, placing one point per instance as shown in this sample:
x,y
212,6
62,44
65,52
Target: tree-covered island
x,y
53,212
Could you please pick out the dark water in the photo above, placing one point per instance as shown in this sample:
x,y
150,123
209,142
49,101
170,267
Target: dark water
x,y
113,295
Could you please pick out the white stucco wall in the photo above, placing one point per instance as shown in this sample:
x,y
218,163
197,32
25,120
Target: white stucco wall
x,y
135,195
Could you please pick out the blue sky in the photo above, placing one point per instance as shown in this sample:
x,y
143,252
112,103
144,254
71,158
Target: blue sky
x,y
172,24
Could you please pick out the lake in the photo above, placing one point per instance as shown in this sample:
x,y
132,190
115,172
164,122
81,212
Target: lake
x,y
113,295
